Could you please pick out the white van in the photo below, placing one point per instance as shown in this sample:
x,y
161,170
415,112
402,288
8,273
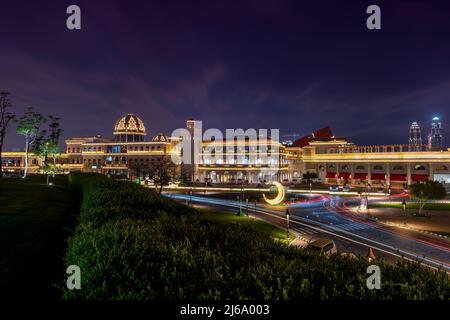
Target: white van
x,y
323,245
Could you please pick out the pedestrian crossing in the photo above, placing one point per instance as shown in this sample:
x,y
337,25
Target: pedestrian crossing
x,y
352,226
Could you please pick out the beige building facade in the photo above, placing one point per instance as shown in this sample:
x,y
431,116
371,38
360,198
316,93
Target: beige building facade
x,y
245,160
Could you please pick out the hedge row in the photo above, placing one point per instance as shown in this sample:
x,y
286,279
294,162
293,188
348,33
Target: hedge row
x,y
133,244
106,199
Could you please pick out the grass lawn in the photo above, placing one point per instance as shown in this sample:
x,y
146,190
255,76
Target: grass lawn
x,y
274,232
412,205
35,220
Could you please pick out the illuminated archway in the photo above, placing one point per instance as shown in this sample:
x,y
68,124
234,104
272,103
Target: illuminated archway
x,y
280,194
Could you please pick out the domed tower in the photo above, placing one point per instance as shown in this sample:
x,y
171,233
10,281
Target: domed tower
x,y
129,129
161,137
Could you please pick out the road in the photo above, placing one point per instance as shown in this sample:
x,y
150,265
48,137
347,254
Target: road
x,y
333,217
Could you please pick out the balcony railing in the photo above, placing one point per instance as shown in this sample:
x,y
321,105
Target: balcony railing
x,y
377,149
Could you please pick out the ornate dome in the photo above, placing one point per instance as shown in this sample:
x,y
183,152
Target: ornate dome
x,y
129,124
160,138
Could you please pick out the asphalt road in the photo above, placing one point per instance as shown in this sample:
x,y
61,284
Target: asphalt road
x,y
332,217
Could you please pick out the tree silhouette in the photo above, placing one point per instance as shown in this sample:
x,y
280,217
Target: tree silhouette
x,y
28,125
424,191
5,119
162,172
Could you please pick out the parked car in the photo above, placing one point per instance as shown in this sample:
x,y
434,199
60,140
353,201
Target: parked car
x,y
323,245
334,188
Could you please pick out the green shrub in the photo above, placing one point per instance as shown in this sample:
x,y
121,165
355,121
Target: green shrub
x,y
132,244
106,199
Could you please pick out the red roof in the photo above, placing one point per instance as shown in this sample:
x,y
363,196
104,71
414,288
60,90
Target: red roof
x,y
398,177
323,133
302,142
419,177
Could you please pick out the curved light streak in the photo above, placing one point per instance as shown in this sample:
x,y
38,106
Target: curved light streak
x,y
280,194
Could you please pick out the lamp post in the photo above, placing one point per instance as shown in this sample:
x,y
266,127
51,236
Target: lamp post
x,y
287,223
310,187
240,204
367,195
246,200
190,197
404,207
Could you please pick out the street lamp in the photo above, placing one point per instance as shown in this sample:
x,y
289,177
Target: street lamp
x,y
287,223
367,194
404,210
240,203
310,187
246,200
190,198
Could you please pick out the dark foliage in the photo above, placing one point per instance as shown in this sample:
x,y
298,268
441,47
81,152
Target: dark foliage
x,y
133,244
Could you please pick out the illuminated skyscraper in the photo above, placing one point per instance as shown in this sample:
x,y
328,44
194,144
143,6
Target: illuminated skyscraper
x,y
435,137
415,137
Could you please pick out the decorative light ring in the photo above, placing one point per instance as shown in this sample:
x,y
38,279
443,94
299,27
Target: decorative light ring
x,y
280,194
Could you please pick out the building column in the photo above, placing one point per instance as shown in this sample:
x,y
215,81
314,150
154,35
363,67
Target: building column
x,y
388,174
431,171
408,173
352,171
337,172
369,173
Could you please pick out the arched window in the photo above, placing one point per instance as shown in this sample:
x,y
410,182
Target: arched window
x,y
378,167
360,167
419,167
398,168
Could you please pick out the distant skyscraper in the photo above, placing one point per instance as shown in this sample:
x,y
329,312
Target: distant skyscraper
x,y
435,138
415,137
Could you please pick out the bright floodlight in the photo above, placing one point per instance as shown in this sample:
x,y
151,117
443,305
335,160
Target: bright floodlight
x,y
436,118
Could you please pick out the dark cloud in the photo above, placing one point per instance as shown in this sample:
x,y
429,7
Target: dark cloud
x,y
291,65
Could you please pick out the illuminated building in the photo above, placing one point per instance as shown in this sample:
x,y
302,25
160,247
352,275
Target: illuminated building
x,y
415,137
435,138
128,151
248,160
243,161
338,161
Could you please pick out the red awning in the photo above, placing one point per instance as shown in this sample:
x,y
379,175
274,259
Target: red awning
x,y
377,176
360,176
344,175
398,177
331,175
419,177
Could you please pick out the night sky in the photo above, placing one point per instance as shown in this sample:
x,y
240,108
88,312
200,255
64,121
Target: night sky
x,y
293,65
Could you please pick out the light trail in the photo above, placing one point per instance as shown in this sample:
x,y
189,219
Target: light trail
x,y
339,210
434,264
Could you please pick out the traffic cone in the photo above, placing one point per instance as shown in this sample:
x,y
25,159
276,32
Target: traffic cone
x,y
370,255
